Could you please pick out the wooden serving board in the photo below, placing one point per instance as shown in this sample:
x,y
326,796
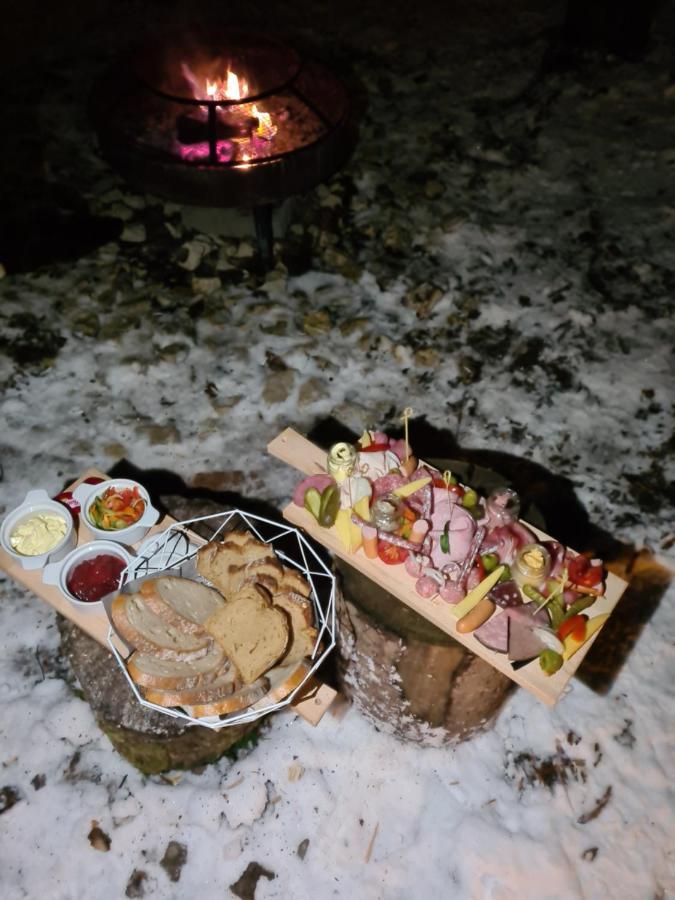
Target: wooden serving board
x,y
311,703
297,451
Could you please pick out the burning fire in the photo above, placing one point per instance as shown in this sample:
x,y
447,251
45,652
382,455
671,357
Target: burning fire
x,y
245,148
229,88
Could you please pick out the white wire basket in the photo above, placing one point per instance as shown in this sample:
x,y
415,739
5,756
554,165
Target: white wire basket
x,y
172,553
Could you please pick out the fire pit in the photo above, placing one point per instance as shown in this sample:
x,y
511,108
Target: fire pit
x,y
222,117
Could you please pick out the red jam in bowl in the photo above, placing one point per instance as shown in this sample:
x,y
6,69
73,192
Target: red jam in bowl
x,y
94,578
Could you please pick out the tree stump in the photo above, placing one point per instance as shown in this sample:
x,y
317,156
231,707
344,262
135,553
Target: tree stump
x,y
403,673
150,741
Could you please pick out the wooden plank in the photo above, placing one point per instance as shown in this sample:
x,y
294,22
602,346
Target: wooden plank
x,y
95,622
297,451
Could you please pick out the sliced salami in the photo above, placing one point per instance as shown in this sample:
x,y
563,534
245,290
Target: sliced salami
x,y
494,634
506,595
387,483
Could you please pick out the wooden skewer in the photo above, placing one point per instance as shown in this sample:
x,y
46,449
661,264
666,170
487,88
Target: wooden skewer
x,y
582,589
407,412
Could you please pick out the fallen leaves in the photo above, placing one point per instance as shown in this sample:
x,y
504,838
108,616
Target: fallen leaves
x,y
98,839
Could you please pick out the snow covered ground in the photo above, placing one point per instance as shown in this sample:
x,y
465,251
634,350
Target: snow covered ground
x,y
506,267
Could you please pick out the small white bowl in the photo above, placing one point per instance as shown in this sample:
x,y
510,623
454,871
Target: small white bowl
x,y
85,494
37,502
57,573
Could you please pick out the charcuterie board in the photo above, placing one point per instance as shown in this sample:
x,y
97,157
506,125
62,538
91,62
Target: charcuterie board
x,y
311,702
295,450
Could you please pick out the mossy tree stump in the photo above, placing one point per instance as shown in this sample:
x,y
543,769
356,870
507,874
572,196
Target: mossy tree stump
x,y
149,740
403,673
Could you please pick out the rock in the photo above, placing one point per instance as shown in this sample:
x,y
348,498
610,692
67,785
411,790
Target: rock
x,y
245,250
312,390
469,369
192,254
245,886
317,323
426,357
160,434
86,323
423,299
135,887
352,325
134,233
225,404
98,839
173,351
175,857
205,285
341,263
278,386
121,211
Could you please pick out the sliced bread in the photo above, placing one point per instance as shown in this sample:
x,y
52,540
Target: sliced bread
x,y
175,675
144,630
253,633
266,571
303,634
217,561
181,602
223,686
246,696
292,580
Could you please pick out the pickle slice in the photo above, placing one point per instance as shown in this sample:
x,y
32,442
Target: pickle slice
x,y
330,504
313,502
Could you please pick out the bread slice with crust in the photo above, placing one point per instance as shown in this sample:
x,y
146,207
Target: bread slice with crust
x,y
224,686
266,571
246,696
292,580
253,633
303,633
181,602
175,675
217,561
144,630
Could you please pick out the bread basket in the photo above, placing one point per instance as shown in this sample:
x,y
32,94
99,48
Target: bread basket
x,y
173,552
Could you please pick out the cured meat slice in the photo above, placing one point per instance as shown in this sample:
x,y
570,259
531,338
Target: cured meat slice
x,y
506,594
387,483
524,643
494,634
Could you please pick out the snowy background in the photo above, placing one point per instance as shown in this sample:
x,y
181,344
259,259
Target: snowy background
x,y
499,254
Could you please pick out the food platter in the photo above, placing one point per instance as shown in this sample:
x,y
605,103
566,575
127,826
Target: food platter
x,y
295,450
170,546
174,552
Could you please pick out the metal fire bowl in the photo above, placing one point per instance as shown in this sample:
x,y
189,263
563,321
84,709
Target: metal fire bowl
x,y
213,184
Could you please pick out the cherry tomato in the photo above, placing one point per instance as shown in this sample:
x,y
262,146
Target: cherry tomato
x,y
580,571
455,489
390,553
575,626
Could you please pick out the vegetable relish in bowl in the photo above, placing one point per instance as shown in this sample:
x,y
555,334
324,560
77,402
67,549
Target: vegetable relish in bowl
x,y
117,508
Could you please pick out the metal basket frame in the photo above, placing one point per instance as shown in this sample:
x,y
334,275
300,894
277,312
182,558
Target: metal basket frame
x,y
174,548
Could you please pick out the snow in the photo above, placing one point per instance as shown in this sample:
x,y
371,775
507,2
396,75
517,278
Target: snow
x,y
549,245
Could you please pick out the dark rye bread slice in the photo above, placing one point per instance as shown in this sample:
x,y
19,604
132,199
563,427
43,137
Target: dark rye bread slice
x,y
175,675
253,633
181,602
303,633
144,630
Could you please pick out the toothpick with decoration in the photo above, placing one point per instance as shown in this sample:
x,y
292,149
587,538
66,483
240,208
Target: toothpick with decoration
x,y
410,463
